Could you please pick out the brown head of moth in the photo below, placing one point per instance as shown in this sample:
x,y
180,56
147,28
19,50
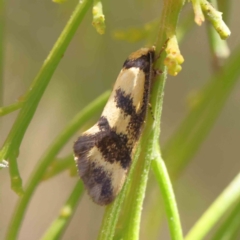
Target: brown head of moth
x,y
104,153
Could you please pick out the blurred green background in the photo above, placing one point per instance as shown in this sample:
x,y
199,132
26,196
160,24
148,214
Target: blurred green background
x,y
89,67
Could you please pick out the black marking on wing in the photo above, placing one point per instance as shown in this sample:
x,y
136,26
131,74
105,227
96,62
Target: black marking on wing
x,y
84,144
96,180
125,102
103,180
113,146
103,124
143,62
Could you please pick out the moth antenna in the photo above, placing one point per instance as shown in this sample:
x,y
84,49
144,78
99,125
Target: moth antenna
x,y
162,49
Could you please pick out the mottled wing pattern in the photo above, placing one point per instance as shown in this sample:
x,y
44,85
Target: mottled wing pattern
x,y
103,153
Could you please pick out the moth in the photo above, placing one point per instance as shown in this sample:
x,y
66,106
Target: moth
x,y
103,154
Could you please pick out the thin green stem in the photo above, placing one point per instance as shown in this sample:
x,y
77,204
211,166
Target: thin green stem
x,y
219,48
10,149
139,181
155,212
230,227
98,17
164,182
57,228
11,108
213,214
112,211
58,166
215,18
151,133
169,16
49,156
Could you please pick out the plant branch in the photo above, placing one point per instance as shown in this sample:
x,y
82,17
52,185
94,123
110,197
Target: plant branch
x,y
112,211
57,228
164,182
151,133
214,16
10,149
230,225
58,166
11,108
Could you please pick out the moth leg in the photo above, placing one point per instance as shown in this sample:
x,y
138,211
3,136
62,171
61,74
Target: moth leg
x,y
159,71
162,49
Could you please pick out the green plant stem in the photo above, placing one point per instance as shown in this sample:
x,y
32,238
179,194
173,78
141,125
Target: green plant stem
x,y
58,166
98,17
11,108
139,181
215,18
57,228
49,156
219,48
112,211
10,149
199,17
2,27
150,135
230,227
169,16
164,182
213,214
